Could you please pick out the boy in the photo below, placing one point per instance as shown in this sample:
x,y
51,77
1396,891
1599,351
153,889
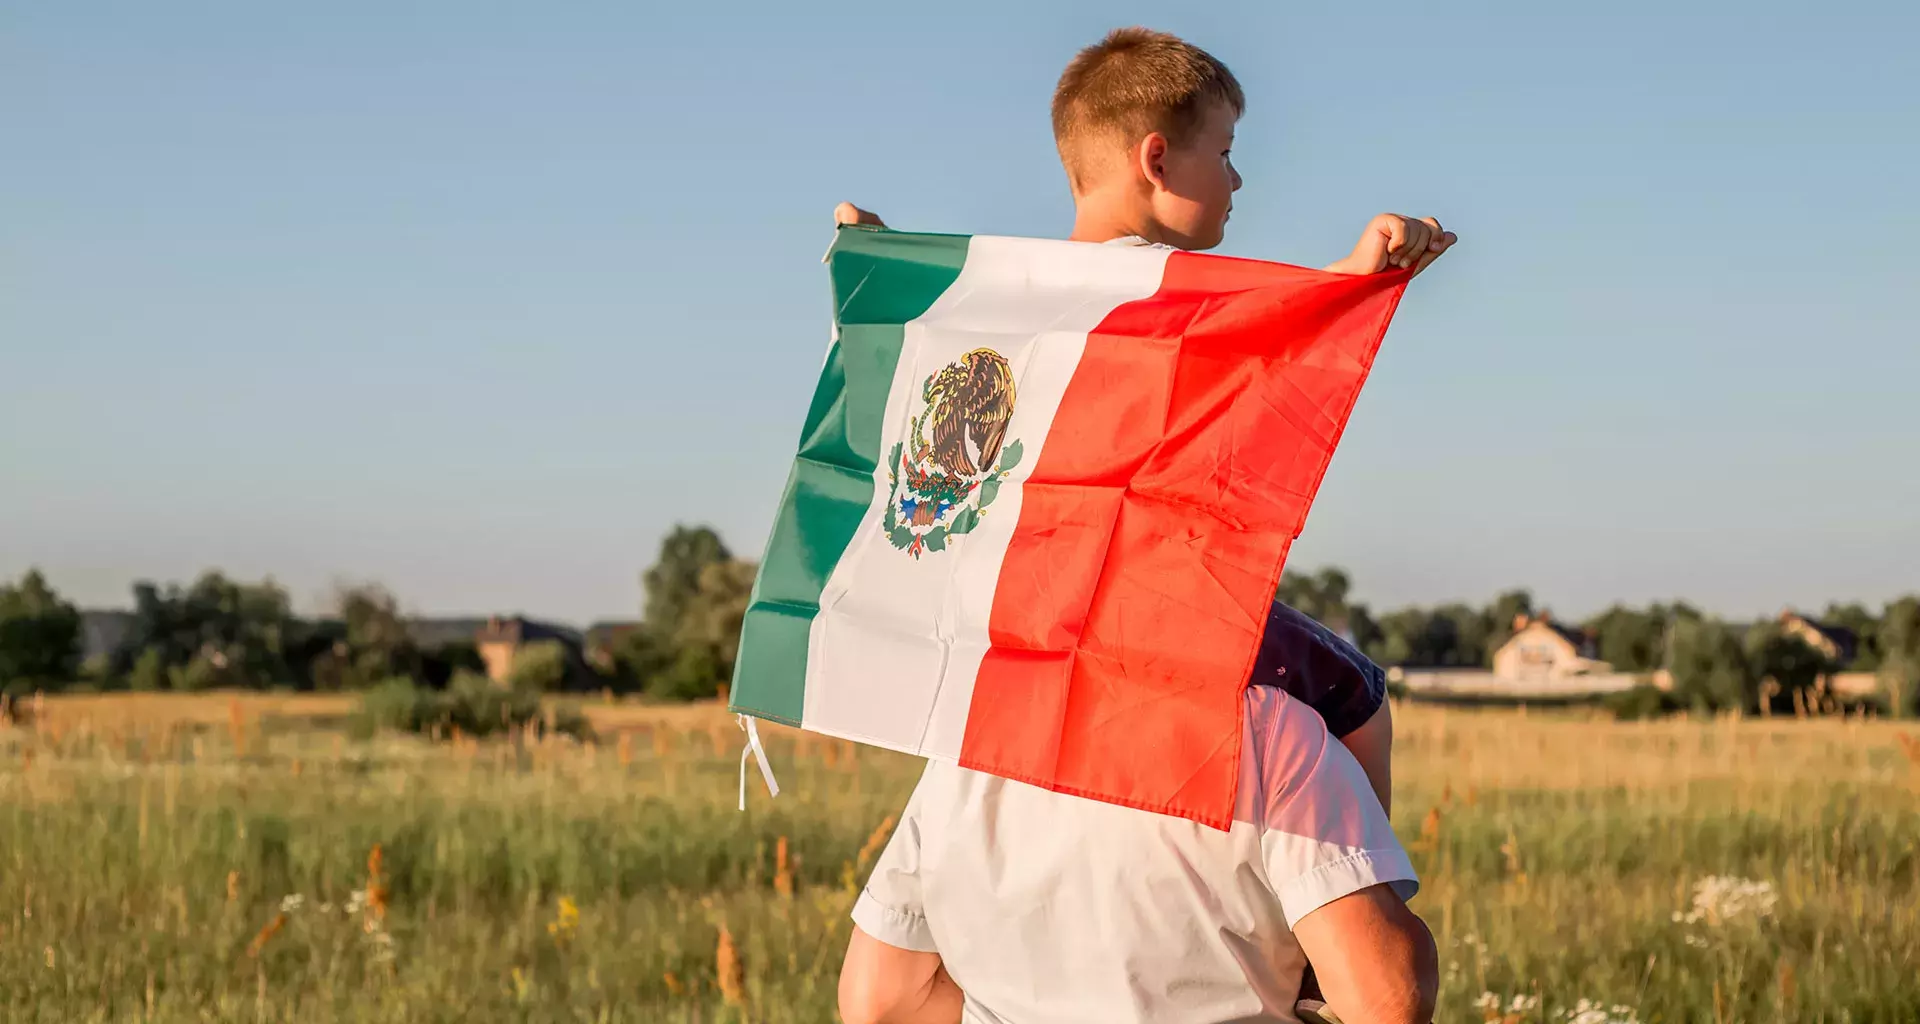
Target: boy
x,y
1045,907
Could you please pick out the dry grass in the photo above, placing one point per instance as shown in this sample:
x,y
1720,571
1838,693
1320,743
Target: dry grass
x,y
214,858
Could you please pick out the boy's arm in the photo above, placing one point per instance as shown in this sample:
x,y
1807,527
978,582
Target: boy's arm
x,y
847,213
1394,242
882,984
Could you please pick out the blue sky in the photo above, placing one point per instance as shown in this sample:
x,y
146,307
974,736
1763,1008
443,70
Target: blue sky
x,y
478,299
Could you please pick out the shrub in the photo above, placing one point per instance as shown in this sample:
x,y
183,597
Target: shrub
x,y
1900,685
202,673
395,705
695,674
149,671
539,667
471,703
1643,701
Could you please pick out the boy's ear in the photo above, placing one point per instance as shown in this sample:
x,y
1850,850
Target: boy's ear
x,y
1152,156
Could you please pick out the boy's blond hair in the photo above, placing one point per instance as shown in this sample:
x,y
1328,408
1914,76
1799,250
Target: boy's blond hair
x,y
1133,82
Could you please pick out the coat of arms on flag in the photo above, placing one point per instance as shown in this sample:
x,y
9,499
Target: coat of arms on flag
x,y
1041,501
941,488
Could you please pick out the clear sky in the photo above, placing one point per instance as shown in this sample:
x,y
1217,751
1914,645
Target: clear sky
x,y
478,299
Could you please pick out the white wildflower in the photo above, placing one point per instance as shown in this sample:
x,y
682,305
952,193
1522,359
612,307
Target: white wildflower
x,y
1696,941
1588,1011
1718,899
1522,1003
291,903
382,942
356,901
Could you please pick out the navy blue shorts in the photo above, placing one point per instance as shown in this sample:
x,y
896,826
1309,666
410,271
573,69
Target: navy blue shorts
x,y
1319,667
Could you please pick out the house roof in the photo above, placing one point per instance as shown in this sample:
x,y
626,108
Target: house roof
x,y
432,633
520,629
1845,641
1577,639
602,633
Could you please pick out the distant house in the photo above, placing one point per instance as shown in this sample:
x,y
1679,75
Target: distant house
x,y
1542,649
501,640
1840,646
434,634
603,640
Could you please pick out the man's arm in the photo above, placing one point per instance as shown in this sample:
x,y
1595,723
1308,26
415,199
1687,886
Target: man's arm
x,y
1372,746
1327,673
1375,959
882,984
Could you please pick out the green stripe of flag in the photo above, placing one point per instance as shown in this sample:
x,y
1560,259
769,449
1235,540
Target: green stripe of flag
x,y
881,280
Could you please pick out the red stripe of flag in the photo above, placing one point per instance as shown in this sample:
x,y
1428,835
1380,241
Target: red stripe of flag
x,y
1176,474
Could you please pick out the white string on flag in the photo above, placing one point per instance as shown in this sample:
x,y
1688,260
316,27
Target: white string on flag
x,y
759,753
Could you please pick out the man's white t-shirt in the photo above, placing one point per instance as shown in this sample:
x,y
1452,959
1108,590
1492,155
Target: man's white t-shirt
x,y
1048,908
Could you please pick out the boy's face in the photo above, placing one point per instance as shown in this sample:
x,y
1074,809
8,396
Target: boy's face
x,y
1197,181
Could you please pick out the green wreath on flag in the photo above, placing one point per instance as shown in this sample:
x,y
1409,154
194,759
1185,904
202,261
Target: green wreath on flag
x,y
939,487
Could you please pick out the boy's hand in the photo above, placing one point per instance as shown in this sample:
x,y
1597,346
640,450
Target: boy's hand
x,y
847,213
1392,241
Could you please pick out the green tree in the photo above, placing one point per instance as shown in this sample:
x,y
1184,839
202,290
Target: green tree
x,y
1459,635
673,582
1419,637
39,635
694,674
376,644
1501,615
719,608
240,632
1326,596
1899,644
1321,596
1630,639
697,595
1865,628
707,640
641,655
1711,670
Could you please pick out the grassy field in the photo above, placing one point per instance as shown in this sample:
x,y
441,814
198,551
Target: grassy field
x,y
213,859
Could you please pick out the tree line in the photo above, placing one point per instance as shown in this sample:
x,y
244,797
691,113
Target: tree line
x,y
1715,664
222,633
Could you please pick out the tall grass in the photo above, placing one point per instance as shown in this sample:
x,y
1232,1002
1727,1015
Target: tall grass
x,y
217,867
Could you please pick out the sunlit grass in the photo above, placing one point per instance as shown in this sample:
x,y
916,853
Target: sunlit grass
x,y
210,859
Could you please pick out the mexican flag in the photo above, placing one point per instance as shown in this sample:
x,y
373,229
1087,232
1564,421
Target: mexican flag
x,y
1041,502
